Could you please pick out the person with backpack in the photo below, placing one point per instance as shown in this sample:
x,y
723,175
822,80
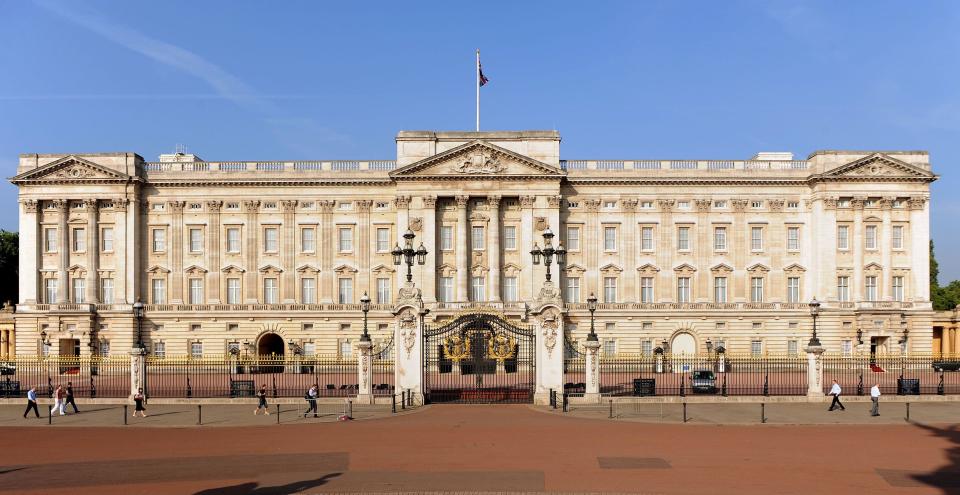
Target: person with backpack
x,y
70,399
262,401
311,398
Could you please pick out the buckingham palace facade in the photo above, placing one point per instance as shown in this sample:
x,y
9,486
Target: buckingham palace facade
x,y
270,256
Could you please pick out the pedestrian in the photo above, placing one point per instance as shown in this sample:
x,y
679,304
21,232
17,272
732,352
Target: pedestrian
x,y
262,401
59,398
138,400
70,399
835,392
312,400
31,402
875,398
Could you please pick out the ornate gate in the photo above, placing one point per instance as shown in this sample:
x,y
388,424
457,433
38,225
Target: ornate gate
x,y
479,358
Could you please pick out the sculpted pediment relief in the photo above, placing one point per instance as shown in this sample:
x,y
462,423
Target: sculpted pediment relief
x,y
70,168
878,165
477,160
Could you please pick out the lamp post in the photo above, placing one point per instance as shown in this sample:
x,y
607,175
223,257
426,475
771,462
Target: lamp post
x,y
814,312
906,332
138,314
548,252
365,307
592,306
406,254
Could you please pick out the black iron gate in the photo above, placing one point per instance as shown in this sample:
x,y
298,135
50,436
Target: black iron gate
x,y
479,358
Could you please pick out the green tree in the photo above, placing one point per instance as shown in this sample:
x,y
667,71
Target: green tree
x,y
9,266
934,268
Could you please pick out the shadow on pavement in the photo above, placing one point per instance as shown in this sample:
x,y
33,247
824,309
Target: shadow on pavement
x,y
255,489
947,478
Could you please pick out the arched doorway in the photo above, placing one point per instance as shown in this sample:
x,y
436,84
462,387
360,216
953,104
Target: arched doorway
x,y
683,343
270,344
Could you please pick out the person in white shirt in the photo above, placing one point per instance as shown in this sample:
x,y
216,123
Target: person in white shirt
x,y
835,392
875,398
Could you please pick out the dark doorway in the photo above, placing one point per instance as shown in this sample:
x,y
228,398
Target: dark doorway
x,y
270,345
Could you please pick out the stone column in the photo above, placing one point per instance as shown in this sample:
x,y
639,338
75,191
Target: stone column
x,y
814,372
365,247
630,242
30,242
288,251
326,243
702,251
93,252
886,253
250,250
919,249
137,355
775,245
664,289
824,247
213,250
176,249
463,258
593,371
528,289
433,248
739,246
127,250
493,247
402,204
408,342
549,342
365,372
857,245
63,238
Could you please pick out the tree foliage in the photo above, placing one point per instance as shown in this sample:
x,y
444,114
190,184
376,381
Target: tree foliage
x,y
943,298
9,266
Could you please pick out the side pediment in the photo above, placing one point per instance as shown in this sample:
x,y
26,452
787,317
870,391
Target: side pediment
x,y
71,169
879,166
476,160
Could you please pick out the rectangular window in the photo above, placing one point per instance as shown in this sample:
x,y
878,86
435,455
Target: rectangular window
x,y
159,349
683,238
870,237
233,240
196,240
478,243
79,240
646,238
383,240
793,289
846,348
897,237
383,291
756,347
510,289
843,237
510,238
843,289
871,286
79,287
308,240
196,291
159,240
345,291
445,290
720,239
50,290
271,291
271,240
308,290
233,291
158,290
792,347
478,289
309,348
683,289
446,238
346,350
609,289
646,289
196,350
50,240
106,239
720,289
609,347
106,290
573,290
898,288
646,347
756,289
573,238
793,238
756,238
609,238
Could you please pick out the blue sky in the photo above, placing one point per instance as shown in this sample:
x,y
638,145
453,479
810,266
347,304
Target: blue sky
x,y
620,80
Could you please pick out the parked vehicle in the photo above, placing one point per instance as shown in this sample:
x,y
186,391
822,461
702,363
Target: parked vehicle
x,y
703,382
946,365
8,369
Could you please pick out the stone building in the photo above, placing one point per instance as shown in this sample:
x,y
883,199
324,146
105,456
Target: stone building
x,y
273,257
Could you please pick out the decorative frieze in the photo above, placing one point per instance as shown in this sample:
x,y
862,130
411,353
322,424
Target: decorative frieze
x,y
776,205
703,205
740,205
363,205
288,205
592,205
30,205
251,206
666,205
429,201
554,201
527,201
917,202
401,201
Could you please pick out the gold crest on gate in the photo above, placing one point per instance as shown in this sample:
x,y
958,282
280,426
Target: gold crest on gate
x,y
456,347
501,347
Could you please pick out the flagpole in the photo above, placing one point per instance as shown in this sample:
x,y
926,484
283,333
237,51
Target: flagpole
x,y
478,90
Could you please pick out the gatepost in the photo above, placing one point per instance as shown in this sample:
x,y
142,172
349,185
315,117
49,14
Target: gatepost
x,y
408,341
815,371
548,318
365,372
137,355
593,371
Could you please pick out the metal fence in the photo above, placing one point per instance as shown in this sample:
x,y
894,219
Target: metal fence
x,y
88,376
383,369
896,375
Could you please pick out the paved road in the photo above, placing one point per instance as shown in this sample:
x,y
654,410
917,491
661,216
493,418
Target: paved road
x,y
482,448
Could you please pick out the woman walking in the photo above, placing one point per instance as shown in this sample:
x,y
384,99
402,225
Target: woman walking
x,y
138,400
262,398
59,400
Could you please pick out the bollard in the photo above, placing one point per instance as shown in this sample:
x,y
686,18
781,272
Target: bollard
x,y
610,416
908,411
199,414
565,400
393,404
684,411
403,400
410,397
763,413
278,413
49,415
348,410
124,414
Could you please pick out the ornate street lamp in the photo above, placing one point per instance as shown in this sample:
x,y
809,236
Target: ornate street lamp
x,y
138,314
407,254
592,306
548,252
365,307
814,312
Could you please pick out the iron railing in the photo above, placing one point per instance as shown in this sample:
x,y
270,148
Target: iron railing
x,y
896,375
382,363
89,376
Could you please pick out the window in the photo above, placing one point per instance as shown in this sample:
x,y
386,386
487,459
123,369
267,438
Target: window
x,y
159,349
159,240
683,205
476,236
270,291
646,347
846,348
793,205
446,238
573,238
793,238
843,237
196,350
308,290
79,286
445,290
383,240
346,350
271,242
345,291
196,240
510,237
719,204
756,347
757,326
756,204
308,239
233,291
756,289
897,238
196,291
683,238
106,290
79,240
792,347
843,289
233,240
871,286
720,239
756,238
609,238
510,289
609,204
683,289
646,205
609,345
158,290
609,289
104,348
478,289
573,289
870,237
106,239
309,348
898,288
50,240
793,289
50,290
646,289
383,291
646,238
720,289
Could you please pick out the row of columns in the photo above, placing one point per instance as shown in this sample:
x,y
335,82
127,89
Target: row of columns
x,y
948,341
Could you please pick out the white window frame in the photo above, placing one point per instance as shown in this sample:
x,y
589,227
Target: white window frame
x,y
234,292
196,290
897,287
683,238
896,237
384,290
308,290
510,238
646,239
843,288
609,238
720,290
793,289
719,238
106,239
195,240
345,290
843,237
793,238
271,290
478,238
50,290
106,291
79,240
756,289
383,240
50,240
308,240
446,238
870,290
573,238
510,292
233,243
756,238
683,289
609,289
78,288
271,240
870,237
647,292
158,290
573,289
445,289
478,289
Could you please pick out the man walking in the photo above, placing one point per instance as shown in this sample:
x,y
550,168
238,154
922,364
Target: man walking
x,y
59,397
32,402
70,399
312,400
875,398
835,392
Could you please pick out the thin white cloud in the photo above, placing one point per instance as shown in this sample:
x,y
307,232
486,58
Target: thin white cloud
x,y
144,96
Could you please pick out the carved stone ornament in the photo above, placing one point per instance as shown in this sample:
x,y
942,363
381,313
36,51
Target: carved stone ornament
x,y
288,205
364,205
630,204
408,330
554,201
430,201
479,162
326,205
176,206
409,294
416,223
494,201
548,327
592,205
401,201
665,204
540,223
527,201
775,204
740,205
874,169
462,201
703,205
549,295
830,203
214,206
30,205
75,172
916,203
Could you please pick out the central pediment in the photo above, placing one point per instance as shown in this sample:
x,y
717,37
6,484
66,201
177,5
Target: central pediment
x,y
477,160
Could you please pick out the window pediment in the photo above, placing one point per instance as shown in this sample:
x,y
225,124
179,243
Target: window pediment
x,y
758,268
269,269
611,269
157,269
648,269
308,269
794,268
722,268
232,269
195,270
684,268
